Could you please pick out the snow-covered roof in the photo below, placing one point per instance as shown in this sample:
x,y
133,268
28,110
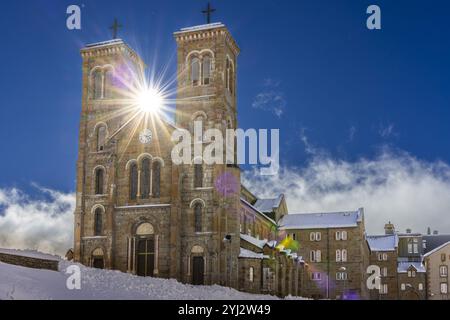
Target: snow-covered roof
x,y
321,220
402,267
201,27
258,211
268,205
252,255
30,254
258,243
105,43
387,242
436,249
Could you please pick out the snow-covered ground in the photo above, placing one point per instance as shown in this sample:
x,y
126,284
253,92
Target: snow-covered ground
x,y
23,283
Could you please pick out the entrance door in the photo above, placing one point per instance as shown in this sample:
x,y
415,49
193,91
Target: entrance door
x,y
145,257
98,263
198,271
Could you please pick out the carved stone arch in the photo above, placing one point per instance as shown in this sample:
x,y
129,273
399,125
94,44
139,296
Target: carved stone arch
x,y
98,167
98,251
197,200
142,156
197,249
193,53
160,160
231,61
97,125
129,163
145,229
95,207
199,113
142,220
94,69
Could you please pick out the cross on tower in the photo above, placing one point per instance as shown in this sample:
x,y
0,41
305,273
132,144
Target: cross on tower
x,y
208,12
115,27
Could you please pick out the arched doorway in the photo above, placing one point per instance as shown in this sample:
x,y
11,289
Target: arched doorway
x,y
198,266
145,250
98,260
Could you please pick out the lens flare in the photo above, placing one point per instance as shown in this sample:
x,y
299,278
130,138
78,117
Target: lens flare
x,y
150,101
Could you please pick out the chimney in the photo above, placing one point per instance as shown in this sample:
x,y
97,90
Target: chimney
x,y
389,228
435,232
408,230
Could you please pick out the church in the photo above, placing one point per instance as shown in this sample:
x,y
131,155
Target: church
x,y
137,211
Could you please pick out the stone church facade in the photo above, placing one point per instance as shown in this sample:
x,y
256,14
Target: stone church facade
x,y
136,211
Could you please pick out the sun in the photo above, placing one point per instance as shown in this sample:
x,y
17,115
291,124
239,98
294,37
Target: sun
x,y
150,101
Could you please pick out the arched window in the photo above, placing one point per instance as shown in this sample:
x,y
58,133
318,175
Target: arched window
x,y
195,71
198,217
344,255
109,83
98,222
133,181
99,181
101,138
156,184
206,70
198,175
97,84
145,179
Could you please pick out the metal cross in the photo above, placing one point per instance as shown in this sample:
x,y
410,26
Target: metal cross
x,y
115,27
208,12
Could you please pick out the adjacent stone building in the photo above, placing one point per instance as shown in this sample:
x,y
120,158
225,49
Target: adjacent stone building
x,y
437,264
335,250
383,253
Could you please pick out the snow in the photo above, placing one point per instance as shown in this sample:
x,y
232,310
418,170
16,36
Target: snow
x,y
258,243
402,267
201,27
268,205
104,43
252,255
383,242
321,220
31,254
21,283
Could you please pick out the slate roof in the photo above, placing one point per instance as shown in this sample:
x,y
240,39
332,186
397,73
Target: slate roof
x,y
244,253
257,243
387,242
268,205
436,249
321,220
434,241
402,267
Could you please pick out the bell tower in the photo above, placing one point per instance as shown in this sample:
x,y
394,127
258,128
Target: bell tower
x,y
206,93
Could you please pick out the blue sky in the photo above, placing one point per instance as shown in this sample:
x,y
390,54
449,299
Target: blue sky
x,y
343,89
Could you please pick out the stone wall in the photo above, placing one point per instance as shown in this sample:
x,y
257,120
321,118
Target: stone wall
x,y
29,262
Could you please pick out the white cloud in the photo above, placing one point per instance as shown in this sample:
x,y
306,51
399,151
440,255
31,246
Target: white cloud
x,y
394,186
386,131
44,223
271,98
